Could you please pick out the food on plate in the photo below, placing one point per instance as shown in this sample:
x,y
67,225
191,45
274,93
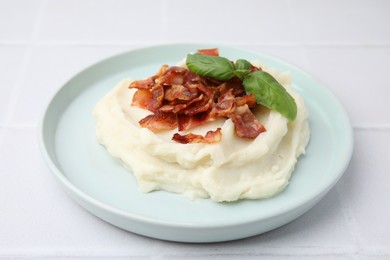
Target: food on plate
x,y
207,127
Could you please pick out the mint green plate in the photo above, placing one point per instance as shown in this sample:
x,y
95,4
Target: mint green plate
x,y
102,186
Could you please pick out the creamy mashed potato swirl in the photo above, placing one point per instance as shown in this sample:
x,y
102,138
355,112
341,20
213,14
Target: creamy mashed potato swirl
x,y
233,169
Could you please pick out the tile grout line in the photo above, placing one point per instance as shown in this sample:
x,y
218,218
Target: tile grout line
x,y
164,41
23,68
290,252
371,127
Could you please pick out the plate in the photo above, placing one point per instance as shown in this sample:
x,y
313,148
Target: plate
x,y
102,186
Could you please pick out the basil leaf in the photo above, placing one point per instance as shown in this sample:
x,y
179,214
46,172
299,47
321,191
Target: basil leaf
x,y
242,64
243,68
214,67
241,73
270,93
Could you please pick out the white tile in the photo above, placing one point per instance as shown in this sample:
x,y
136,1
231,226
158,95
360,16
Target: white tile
x,y
358,77
365,189
102,21
361,22
11,59
2,135
48,69
17,19
38,218
232,22
378,257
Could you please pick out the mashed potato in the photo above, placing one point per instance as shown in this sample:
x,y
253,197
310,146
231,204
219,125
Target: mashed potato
x,y
233,169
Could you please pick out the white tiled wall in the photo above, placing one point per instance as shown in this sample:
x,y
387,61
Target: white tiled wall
x,y
359,77
343,22
345,44
102,22
10,62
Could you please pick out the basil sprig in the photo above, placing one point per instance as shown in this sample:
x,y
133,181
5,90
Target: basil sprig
x,y
214,67
266,89
243,68
270,93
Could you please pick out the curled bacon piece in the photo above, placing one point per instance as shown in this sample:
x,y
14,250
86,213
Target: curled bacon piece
x,y
247,99
159,121
210,137
225,105
188,122
246,124
211,52
179,98
143,84
180,92
142,98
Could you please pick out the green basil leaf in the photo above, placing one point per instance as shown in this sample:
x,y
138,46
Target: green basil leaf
x,y
243,68
270,93
214,67
242,64
241,73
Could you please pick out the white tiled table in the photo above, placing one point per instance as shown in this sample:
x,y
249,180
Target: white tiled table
x,y
345,44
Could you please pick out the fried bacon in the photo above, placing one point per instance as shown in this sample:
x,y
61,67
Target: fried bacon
x,y
247,99
225,105
142,97
246,124
181,99
143,84
159,121
180,92
210,52
210,137
188,122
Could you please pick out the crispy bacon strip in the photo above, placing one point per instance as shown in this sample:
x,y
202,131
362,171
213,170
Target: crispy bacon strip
x,y
225,105
246,124
159,121
180,92
247,99
210,52
157,98
186,122
142,97
173,75
142,84
210,137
